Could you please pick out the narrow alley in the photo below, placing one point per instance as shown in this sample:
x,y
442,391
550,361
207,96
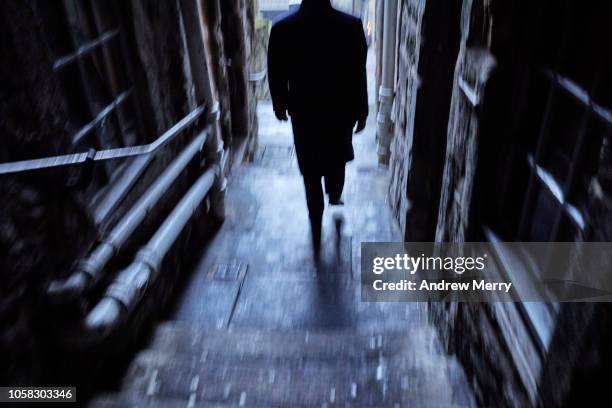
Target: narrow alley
x,y
156,247
262,324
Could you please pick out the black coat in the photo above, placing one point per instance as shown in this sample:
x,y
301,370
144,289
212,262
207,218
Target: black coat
x,y
317,73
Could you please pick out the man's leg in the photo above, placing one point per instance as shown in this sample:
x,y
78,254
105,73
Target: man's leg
x,y
334,183
314,201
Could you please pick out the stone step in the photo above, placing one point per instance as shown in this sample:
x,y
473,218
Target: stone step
x,y
313,384
267,385
179,338
156,358
186,366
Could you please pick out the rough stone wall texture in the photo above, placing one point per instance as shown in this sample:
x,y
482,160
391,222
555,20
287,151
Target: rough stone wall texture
x,y
39,210
497,348
445,62
160,42
599,203
579,356
502,356
236,40
250,43
580,353
212,18
474,65
259,56
162,54
483,336
428,42
409,40
472,332
230,31
45,220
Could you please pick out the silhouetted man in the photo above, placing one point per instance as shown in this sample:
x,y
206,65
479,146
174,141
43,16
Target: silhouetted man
x,y
317,74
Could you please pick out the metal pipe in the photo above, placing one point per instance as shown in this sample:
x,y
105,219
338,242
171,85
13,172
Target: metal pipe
x,y
215,156
124,294
89,269
387,91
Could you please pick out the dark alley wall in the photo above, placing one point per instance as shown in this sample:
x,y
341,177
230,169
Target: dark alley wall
x,y
50,219
482,92
40,211
428,39
230,37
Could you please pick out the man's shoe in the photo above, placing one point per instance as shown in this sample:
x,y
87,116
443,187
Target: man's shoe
x,y
336,202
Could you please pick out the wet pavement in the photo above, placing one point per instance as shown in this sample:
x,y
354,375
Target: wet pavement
x,y
259,271
262,324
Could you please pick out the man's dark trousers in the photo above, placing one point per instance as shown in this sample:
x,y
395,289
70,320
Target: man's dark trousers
x,y
334,184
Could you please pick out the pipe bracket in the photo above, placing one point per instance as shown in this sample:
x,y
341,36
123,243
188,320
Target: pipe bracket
x,y
151,259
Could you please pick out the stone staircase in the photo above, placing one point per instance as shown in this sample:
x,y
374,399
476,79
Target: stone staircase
x,y
270,328
187,367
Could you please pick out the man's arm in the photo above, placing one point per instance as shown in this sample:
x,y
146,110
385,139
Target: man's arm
x,y
277,75
362,79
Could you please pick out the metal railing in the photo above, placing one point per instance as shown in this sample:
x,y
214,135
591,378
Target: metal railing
x,y
102,155
89,269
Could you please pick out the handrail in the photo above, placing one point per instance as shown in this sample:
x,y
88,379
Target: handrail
x,y
101,155
90,268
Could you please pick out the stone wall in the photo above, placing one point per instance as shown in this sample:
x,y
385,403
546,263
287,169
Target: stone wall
x,y
491,340
39,211
230,37
457,124
163,57
46,220
428,41
490,67
409,39
236,35
580,353
259,61
473,70
253,56
217,61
